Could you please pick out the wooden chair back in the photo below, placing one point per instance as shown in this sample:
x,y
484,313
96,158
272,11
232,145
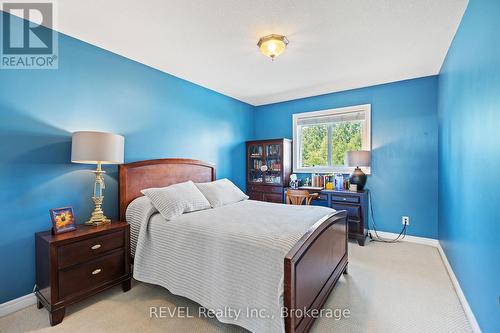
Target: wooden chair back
x,y
297,197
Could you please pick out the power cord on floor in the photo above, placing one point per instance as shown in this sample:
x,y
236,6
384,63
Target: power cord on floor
x,y
377,238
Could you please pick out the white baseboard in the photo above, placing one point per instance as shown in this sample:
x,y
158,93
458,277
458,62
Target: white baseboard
x,y
461,296
410,239
17,304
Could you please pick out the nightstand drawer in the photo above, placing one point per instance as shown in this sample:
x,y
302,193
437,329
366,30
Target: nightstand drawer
x,y
91,274
88,249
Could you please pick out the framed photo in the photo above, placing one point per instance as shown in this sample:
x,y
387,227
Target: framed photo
x,y
63,220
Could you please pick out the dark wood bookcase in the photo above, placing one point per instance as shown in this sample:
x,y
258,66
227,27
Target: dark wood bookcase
x,y
269,164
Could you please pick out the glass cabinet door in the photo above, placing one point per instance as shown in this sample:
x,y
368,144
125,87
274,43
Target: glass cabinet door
x,y
274,164
255,163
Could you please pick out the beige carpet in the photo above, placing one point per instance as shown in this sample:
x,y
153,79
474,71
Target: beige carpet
x,y
400,287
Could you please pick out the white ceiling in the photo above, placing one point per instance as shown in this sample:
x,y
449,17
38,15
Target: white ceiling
x,y
334,44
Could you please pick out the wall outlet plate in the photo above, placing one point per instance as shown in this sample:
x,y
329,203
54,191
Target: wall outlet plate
x,y
405,220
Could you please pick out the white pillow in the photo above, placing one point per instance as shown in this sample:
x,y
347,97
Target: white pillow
x,y
221,192
175,200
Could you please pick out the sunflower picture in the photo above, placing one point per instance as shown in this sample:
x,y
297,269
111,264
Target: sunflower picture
x,y
63,220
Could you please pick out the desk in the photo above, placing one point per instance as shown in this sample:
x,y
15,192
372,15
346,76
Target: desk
x,y
356,205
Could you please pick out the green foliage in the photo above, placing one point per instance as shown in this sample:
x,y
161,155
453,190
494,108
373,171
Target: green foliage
x,y
314,146
345,136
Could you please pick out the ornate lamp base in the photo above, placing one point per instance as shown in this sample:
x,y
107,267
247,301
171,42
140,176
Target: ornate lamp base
x,y
98,223
98,217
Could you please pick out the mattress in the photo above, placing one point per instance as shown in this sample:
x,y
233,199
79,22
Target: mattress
x,y
228,259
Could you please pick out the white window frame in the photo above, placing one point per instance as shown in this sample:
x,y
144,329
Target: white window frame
x,y
365,140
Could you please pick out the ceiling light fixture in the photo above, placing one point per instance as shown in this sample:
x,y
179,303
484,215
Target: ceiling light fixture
x,y
272,45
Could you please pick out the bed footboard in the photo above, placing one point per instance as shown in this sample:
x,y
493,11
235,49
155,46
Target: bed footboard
x,y
312,268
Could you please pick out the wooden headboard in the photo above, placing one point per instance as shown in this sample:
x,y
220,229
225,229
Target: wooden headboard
x,y
137,176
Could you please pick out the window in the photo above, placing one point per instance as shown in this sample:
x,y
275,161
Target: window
x,y
321,138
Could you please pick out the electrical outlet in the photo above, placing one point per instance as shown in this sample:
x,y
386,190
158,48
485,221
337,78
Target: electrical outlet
x,y
405,220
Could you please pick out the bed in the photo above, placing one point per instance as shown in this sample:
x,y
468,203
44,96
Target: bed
x,y
310,253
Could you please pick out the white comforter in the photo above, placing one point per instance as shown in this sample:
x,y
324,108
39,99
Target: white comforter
x,y
228,259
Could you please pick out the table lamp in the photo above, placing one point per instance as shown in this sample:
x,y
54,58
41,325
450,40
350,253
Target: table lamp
x,y
97,148
356,159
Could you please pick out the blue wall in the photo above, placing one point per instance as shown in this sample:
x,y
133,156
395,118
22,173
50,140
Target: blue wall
x,y
163,116
469,159
159,115
404,147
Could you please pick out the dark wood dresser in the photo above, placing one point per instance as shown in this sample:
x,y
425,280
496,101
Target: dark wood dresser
x,y
356,205
80,263
269,164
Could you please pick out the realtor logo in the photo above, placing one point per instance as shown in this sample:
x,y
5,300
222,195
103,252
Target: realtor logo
x,y
28,38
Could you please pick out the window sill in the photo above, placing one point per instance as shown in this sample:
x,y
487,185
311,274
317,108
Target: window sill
x,y
343,170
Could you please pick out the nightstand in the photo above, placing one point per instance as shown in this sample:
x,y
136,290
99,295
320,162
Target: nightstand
x,y
75,265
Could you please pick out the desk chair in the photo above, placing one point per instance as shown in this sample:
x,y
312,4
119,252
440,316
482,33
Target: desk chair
x,y
297,197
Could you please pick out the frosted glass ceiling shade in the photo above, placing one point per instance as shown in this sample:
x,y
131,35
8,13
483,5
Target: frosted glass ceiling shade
x,y
360,158
92,147
272,45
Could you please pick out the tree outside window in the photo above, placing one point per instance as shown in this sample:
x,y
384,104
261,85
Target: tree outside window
x,y
322,138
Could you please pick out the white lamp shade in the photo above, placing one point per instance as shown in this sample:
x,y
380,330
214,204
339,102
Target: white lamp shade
x,y
360,158
92,147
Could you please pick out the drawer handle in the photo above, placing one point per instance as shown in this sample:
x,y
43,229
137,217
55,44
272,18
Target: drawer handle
x,y
95,247
96,271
